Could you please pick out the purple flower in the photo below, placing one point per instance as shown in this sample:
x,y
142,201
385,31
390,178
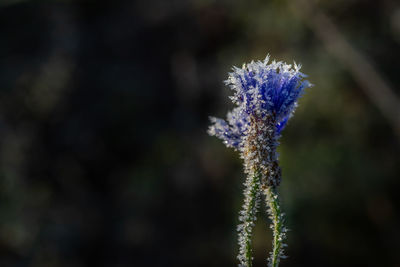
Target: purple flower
x,y
262,91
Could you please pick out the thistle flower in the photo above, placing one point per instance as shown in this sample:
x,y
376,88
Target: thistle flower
x,y
265,96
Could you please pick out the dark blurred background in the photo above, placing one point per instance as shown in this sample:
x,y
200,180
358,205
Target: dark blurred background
x,y
104,155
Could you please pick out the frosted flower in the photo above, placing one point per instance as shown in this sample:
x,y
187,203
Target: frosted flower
x,y
265,95
260,90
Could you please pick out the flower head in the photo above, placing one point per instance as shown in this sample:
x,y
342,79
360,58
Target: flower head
x,y
265,95
260,90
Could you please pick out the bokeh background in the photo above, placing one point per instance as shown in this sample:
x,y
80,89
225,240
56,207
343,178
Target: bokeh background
x,y
104,155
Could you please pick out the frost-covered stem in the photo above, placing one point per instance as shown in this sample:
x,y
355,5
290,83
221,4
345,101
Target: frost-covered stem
x,y
247,218
277,226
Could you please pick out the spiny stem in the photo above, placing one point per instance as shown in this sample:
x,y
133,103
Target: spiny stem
x,y
277,226
248,217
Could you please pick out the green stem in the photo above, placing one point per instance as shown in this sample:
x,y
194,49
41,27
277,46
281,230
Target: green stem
x,y
279,231
248,217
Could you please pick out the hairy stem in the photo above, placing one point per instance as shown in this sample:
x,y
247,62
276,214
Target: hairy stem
x,y
248,217
277,226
